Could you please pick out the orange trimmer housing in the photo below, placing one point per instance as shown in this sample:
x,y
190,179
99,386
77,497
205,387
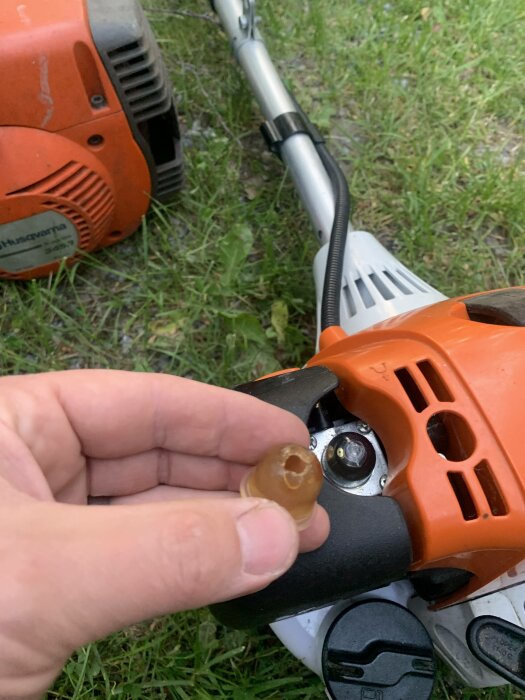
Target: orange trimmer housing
x,y
444,389
88,130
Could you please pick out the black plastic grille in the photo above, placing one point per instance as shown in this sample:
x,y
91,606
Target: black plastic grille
x,y
143,80
132,57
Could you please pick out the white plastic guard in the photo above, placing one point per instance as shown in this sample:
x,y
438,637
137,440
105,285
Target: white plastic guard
x,y
376,286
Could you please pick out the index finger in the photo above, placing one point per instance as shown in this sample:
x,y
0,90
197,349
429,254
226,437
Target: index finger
x,y
115,414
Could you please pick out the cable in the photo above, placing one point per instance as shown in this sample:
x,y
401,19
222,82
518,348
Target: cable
x,y
331,299
333,279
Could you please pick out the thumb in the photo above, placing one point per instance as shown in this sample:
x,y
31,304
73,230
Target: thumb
x,y
108,567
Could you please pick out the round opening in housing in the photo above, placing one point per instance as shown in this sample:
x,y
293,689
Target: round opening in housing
x,y
451,436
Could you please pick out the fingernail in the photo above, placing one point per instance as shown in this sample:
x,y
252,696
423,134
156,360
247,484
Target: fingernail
x,y
269,540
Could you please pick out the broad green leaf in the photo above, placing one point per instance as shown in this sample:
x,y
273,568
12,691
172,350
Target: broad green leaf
x,y
235,248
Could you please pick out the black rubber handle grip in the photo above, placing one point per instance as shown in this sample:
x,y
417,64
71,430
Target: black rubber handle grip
x,y
368,547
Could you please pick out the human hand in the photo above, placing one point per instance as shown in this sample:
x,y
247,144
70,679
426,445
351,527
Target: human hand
x,y
73,573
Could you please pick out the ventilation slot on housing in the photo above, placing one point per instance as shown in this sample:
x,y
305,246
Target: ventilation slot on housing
x,y
364,293
142,78
75,185
411,280
412,390
491,489
369,289
348,300
49,182
463,495
385,283
146,93
128,55
78,221
397,282
435,381
389,284
381,286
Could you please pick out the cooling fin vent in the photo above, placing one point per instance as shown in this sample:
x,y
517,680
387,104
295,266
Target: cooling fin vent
x,y
76,186
490,487
451,437
146,92
170,178
132,57
143,79
463,495
423,384
381,284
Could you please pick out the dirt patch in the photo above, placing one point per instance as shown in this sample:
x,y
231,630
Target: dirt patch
x,y
503,141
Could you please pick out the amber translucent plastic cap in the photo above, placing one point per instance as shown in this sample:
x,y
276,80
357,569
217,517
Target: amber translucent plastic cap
x,y
291,476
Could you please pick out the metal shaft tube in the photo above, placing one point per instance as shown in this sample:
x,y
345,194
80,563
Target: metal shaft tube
x,y
298,151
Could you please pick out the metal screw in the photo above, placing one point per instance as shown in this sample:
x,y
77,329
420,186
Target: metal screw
x,y
98,101
363,428
96,140
382,481
313,442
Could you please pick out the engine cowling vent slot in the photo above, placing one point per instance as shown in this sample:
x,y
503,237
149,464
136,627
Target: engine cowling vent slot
x,y
491,489
463,496
143,79
381,287
396,282
435,381
411,389
133,59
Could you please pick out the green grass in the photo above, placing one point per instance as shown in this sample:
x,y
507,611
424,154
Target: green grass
x,y
425,110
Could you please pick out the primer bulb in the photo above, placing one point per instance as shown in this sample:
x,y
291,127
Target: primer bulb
x,y
291,476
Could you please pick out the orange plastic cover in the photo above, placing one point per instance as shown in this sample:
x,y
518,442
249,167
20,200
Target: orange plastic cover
x,y
445,395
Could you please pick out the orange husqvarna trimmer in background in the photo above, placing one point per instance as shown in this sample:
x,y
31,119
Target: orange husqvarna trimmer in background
x,y
88,130
413,401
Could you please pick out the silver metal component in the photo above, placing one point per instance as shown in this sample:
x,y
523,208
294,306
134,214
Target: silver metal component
x,y
298,152
313,443
382,481
249,20
363,428
372,485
